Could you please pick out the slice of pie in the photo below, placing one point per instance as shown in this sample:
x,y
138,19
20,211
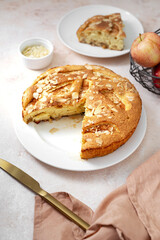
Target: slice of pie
x,y
104,31
111,104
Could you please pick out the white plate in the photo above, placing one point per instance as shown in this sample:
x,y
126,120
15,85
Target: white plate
x,y
61,148
70,23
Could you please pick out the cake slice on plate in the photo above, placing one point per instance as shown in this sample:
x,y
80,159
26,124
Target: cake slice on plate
x,y
103,31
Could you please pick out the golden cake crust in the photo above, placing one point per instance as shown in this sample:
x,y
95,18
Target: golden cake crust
x,y
111,104
103,30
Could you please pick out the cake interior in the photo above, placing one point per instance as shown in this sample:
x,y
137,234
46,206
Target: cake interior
x,y
103,31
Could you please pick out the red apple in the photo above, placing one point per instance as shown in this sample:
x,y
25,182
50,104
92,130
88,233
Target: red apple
x,y
145,49
156,73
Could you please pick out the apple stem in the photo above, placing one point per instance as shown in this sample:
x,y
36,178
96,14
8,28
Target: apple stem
x,y
140,36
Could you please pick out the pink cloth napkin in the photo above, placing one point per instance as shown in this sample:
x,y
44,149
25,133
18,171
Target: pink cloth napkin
x,y
50,224
131,212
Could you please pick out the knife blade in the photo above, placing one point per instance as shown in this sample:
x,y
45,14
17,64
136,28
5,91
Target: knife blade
x,y
33,185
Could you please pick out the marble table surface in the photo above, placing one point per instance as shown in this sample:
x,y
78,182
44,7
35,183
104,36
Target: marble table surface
x,y
28,18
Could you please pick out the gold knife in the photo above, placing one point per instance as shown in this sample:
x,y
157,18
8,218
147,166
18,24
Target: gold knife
x,y
32,184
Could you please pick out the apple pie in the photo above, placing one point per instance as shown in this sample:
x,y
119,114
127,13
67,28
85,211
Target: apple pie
x,y
104,31
110,103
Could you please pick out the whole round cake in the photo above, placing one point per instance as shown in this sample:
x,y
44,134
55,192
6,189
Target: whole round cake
x,y
111,104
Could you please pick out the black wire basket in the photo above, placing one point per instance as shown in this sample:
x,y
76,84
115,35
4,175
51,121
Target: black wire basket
x,y
144,75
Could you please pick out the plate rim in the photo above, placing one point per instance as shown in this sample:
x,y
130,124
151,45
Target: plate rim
x,y
89,55
74,167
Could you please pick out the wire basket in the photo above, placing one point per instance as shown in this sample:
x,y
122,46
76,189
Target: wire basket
x,y
144,75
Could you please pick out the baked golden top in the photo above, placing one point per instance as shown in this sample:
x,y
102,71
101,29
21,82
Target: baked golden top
x,y
97,29
111,103
110,23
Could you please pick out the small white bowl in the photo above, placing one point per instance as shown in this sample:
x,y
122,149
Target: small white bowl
x,y
36,63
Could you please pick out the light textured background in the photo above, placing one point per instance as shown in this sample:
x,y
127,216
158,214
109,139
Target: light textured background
x,y
23,19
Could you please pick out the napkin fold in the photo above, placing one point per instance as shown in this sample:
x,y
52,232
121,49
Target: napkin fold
x,y
49,224
131,212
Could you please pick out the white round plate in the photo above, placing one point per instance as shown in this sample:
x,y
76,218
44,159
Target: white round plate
x,y
70,23
58,143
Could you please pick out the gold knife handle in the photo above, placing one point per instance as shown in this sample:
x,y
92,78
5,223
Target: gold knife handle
x,y
63,209
32,184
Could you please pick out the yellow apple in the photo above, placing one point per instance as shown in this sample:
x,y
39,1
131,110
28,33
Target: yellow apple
x,y
145,49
